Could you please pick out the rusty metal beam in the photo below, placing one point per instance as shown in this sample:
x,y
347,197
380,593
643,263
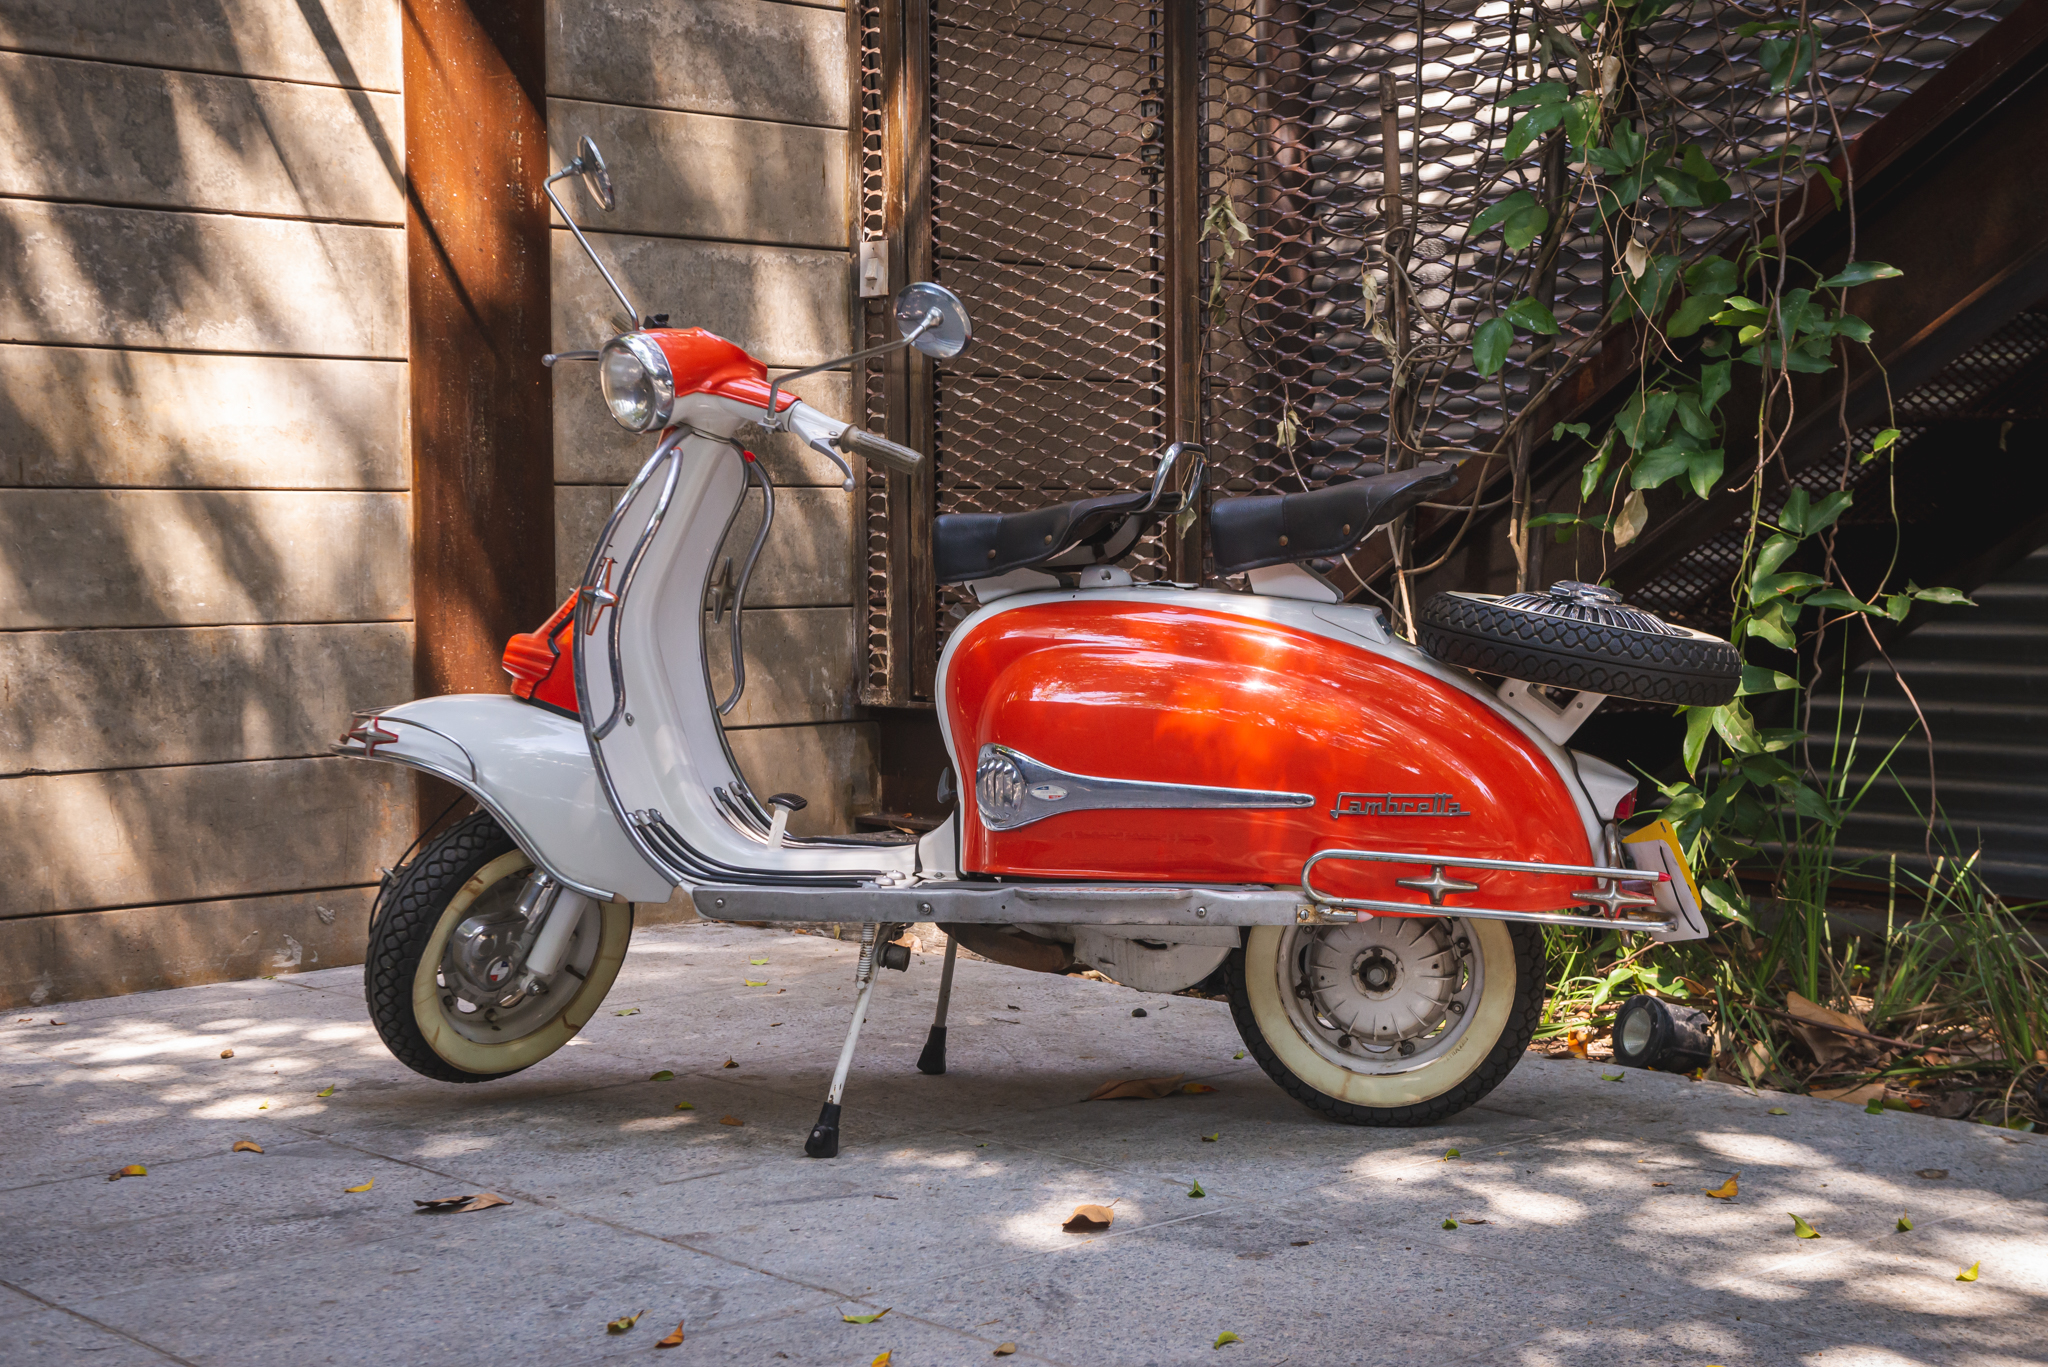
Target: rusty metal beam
x,y
476,235
1182,314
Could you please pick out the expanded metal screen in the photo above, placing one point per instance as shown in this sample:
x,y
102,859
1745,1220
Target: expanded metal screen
x,y
1051,195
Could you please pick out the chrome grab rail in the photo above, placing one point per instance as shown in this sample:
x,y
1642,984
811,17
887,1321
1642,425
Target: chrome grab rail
x,y
590,600
1436,885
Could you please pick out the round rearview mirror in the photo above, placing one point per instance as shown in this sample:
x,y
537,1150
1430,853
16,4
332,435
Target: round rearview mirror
x,y
597,180
933,319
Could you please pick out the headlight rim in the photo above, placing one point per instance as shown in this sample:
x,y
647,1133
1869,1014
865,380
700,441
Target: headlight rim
x,y
653,362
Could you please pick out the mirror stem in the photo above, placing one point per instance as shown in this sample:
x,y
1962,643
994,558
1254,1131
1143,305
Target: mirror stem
x,y
572,169
773,422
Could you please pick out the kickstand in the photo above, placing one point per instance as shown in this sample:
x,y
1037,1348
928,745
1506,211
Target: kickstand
x,y
824,1140
933,1060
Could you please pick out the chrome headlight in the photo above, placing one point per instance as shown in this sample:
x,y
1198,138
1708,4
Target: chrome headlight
x,y
637,385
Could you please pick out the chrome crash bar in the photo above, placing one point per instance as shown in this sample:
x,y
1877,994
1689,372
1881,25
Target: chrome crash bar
x,y
1326,907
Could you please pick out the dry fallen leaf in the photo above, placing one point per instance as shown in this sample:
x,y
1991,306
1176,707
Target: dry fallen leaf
x,y
1801,1229
1826,1046
1932,1174
1855,1096
1225,1337
674,1340
1136,1088
364,1187
132,1170
328,1090
1969,1274
1905,1223
881,1359
1660,1184
1576,1043
623,1323
246,1146
456,1205
1197,1088
665,1075
1088,1219
728,1064
1003,1350
1726,1191
867,1319
1196,1190
730,1120
227,1053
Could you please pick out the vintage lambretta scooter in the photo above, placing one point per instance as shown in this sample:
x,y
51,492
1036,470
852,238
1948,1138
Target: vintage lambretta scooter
x,y
1156,780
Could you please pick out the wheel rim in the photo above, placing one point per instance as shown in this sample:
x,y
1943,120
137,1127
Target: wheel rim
x,y
596,952
1383,996
480,996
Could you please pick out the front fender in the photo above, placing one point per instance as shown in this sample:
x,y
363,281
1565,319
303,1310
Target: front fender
x,y
531,769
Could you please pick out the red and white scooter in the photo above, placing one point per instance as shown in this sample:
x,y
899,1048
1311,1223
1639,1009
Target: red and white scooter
x,y
1156,780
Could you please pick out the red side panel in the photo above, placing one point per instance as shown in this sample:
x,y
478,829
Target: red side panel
x,y
543,663
1396,759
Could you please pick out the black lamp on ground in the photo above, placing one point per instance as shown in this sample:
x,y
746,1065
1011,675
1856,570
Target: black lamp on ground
x,y
1649,1033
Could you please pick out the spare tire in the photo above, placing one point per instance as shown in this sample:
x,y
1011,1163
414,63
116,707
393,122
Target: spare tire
x,y
1582,637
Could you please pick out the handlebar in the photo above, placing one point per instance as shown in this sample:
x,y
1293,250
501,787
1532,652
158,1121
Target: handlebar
x,y
879,450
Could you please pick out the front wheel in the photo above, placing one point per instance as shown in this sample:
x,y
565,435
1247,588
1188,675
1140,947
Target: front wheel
x,y
439,944
1395,1020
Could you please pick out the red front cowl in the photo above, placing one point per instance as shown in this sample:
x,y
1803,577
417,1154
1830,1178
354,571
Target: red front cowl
x,y
1396,759
543,663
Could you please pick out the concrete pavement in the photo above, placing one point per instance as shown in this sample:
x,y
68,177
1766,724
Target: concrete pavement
x,y
1584,1233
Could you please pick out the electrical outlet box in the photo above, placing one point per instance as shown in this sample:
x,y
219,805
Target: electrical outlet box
x,y
873,264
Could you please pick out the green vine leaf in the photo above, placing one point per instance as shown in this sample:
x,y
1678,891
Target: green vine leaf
x,y
1698,722
1757,679
1490,342
1860,273
1532,314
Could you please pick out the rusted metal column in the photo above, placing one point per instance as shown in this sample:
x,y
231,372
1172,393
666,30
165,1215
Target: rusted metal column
x,y
476,237
1183,312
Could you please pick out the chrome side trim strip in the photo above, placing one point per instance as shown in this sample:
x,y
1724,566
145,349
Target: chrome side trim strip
x,y
1011,789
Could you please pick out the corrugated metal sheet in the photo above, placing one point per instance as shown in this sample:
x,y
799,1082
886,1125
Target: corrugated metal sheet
x,y
1980,676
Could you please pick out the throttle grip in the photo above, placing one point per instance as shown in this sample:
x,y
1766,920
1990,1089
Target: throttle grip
x,y
879,450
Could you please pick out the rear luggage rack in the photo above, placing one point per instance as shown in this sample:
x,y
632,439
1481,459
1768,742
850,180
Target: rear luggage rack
x,y
1607,892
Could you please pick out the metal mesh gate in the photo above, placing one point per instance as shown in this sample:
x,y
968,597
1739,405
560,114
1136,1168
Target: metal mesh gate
x,y
1046,170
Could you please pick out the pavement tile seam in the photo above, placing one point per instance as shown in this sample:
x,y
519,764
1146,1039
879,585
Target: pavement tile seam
x,y
100,1325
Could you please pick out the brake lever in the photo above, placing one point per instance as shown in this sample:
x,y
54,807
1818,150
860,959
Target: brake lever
x,y
825,449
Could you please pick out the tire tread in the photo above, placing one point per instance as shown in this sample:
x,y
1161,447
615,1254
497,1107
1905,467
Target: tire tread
x,y
1524,1015
407,913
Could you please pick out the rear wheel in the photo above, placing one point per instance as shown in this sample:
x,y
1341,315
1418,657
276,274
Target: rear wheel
x,y
435,976
1395,1020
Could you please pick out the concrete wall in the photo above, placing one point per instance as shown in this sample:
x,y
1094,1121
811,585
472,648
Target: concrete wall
x,y
725,124
203,485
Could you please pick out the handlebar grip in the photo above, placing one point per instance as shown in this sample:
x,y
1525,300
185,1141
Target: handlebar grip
x,y
879,450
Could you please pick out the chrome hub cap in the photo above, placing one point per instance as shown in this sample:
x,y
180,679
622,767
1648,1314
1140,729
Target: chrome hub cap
x,y
481,993
1386,995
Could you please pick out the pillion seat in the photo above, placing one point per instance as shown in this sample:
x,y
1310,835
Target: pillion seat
x,y
1276,529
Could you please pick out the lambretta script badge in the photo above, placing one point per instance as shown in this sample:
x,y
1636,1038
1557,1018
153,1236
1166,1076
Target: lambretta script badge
x,y
1397,804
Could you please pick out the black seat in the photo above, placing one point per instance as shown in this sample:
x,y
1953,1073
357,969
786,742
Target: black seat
x,y
1275,529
